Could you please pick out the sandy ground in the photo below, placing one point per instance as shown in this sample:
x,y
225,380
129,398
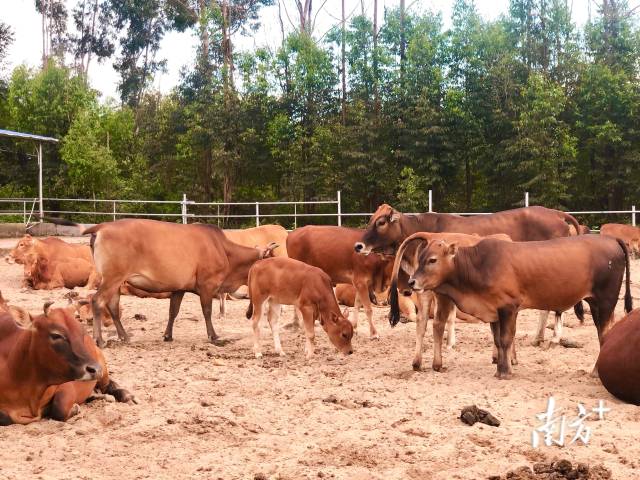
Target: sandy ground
x,y
218,413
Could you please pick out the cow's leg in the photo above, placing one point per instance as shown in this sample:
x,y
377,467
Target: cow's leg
x,y
557,328
99,304
222,298
63,404
421,328
120,394
442,314
5,420
174,308
255,324
407,307
272,317
113,306
602,312
362,290
206,303
451,327
542,325
507,319
495,330
595,315
309,330
356,312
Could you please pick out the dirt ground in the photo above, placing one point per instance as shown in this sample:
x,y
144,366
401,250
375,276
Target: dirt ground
x,y
218,413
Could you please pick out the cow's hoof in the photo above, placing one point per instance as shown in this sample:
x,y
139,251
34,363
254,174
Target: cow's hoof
x,y
417,365
167,338
123,396
503,375
535,342
218,342
514,361
258,355
450,347
374,336
281,354
594,373
100,343
436,367
494,360
75,410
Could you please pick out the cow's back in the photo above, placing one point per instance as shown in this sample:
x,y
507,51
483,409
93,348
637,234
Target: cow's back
x,y
521,224
261,236
326,247
627,233
619,359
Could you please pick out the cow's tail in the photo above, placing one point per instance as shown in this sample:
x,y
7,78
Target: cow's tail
x,y
394,313
571,220
628,300
578,309
372,296
249,313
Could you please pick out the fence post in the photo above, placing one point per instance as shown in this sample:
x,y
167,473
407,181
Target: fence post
x,y
114,210
430,200
339,209
526,199
257,214
295,216
633,215
24,212
184,208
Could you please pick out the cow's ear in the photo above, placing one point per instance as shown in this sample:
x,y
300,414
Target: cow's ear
x,y
452,249
395,216
46,307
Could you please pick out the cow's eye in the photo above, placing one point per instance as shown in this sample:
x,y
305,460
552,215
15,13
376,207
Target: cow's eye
x,y
433,260
381,222
56,337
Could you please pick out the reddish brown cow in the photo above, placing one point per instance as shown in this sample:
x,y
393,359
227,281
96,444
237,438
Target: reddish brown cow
x,y
48,369
627,233
285,281
45,274
331,249
445,311
494,280
53,248
619,360
166,257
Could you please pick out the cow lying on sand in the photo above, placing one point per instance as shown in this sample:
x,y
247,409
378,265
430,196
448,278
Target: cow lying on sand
x,y
494,280
50,368
285,281
159,257
619,360
331,249
46,274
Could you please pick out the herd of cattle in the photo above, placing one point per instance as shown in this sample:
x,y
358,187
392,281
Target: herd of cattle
x,y
482,268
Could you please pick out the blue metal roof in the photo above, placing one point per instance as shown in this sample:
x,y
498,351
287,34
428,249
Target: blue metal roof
x,y
27,136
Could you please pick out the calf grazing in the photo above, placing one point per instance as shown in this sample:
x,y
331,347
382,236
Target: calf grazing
x,y
166,257
49,368
331,249
46,274
494,280
285,281
629,234
619,360
445,312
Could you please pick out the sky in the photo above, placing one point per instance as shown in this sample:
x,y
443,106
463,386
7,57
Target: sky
x,y
21,15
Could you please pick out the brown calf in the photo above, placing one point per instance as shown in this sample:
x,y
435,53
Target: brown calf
x,y
331,249
46,274
494,280
619,360
445,310
48,369
285,281
166,257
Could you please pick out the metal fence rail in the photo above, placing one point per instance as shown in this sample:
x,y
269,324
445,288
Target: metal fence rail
x,y
189,211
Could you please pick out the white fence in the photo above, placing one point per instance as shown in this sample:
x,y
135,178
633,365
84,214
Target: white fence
x,y
189,211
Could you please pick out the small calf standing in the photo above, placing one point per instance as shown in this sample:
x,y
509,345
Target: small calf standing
x,y
285,281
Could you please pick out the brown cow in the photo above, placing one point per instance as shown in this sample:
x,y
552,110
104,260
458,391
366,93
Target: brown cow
x,y
494,280
619,360
445,310
46,274
285,281
48,369
52,247
166,257
627,233
331,249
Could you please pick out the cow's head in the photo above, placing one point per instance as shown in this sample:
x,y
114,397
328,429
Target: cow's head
x,y
31,264
59,346
23,248
435,264
339,329
383,231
